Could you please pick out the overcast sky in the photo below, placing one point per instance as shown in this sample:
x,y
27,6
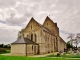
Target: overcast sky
x,y
15,14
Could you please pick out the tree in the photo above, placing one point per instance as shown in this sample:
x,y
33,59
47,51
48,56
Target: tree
x,y
20,34
1,45
69,45
7,46
71,37
74,39
77,39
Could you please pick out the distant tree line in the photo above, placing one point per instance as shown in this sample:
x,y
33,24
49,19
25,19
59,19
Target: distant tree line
x,y
5,46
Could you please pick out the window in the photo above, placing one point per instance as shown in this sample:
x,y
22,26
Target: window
x,y
31,26
32,47
35,37
32,37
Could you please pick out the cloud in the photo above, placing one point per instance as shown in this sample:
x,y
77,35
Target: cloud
x,y
18,12
15,20
8,34
6,4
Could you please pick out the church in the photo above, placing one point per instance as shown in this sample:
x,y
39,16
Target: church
x,y
38,39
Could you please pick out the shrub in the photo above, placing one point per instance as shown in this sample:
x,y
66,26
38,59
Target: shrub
x,y
2,50
58,54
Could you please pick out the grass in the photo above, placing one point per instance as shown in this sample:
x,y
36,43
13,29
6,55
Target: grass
x,y
71,56
30,58
52,55
8,51
68,53
49,57
65,56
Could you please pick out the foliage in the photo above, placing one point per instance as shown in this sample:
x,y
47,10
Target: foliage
x,y
1,45
20,34
3,50
74,38
5,46
58,54
69,46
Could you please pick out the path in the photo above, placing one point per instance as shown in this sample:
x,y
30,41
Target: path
x,y
8,54
42,55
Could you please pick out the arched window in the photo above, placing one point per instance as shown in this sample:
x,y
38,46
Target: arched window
x,y
32,47
32,37
35,37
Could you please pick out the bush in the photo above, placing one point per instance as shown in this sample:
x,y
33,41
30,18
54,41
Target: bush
x,y
2,50
58,54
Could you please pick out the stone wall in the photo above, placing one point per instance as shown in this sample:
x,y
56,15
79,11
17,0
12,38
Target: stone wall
x,y
18,49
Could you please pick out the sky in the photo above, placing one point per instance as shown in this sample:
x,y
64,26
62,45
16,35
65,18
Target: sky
x,y
15,14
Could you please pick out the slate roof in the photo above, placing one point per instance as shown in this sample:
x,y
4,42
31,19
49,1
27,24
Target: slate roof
x,y
45,29
23,40
62,39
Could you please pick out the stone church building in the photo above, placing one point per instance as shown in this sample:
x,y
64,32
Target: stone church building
x,y
38,39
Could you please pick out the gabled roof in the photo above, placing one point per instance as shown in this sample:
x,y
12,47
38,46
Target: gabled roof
x,y
44,28
47,18
24,41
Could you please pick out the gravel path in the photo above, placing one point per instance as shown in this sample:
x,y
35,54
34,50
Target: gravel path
x,y
7,54
42,55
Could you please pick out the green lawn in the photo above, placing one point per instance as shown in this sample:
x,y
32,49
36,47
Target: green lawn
x,y
65,56
8,51
30,58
